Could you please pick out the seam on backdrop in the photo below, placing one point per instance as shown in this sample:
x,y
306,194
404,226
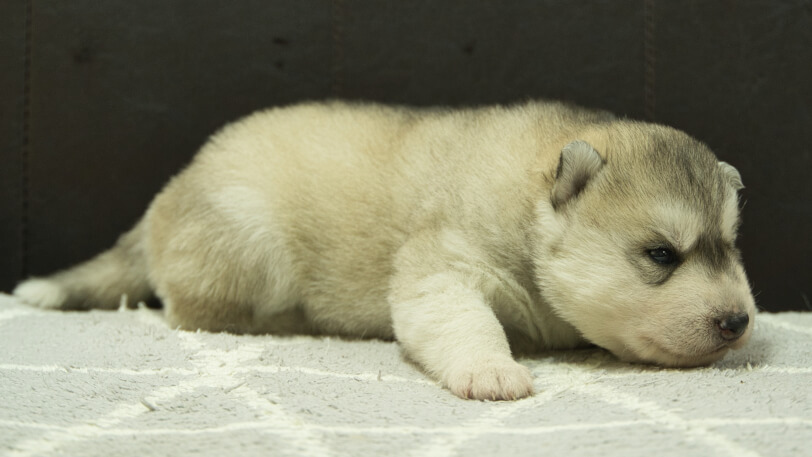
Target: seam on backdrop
x,y
338,15
25,146
649,60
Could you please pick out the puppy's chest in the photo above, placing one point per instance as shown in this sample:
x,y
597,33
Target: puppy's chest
x,y
528,320
513,298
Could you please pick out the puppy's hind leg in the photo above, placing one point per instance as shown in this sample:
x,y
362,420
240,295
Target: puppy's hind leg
x,y
215,275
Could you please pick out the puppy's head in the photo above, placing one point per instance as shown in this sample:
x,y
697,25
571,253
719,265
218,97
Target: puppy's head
x,y
636,246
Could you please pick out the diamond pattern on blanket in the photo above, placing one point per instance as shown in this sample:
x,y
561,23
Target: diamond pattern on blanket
x,y
92,382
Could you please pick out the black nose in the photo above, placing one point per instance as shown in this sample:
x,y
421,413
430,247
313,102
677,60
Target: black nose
x,y
731,327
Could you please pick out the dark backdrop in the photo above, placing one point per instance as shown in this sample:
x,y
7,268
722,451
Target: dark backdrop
x,y
100,102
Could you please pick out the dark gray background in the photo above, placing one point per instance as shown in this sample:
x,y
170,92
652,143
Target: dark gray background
x,y
100,102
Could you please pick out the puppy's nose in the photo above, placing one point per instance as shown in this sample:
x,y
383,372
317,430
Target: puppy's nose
x,y
731,327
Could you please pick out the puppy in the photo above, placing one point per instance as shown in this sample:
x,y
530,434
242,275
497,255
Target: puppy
x,y
456,232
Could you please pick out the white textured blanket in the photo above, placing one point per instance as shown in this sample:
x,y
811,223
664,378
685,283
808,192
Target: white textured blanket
x,y
122,383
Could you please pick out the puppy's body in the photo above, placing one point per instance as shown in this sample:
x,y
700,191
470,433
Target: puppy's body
x,y
450,230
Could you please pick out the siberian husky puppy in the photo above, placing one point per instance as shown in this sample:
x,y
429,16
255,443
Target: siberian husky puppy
x,y
458,232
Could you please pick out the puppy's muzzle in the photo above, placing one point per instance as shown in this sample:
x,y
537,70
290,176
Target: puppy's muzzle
x,y
732,327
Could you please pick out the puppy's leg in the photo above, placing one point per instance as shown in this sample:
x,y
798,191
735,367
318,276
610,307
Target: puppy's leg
x,y
225,291
219,261
444,323
229,315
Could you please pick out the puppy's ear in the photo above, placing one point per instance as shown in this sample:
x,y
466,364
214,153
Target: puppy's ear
x,y
578,164
732,175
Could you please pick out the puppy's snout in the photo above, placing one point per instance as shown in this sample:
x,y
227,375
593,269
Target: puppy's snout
x,y
733,326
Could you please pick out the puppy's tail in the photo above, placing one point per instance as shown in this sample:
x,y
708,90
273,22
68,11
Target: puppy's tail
x,y
97,283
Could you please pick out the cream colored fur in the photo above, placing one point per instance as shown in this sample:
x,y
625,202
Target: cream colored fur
x,y
459,232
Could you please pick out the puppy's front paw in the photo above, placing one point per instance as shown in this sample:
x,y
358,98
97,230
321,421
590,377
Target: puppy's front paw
x,y
497,378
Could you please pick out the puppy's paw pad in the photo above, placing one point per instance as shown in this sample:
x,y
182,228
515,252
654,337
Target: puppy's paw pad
x,y
41,293
492,379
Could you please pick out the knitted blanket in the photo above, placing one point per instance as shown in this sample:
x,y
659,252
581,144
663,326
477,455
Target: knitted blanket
x,y
123,383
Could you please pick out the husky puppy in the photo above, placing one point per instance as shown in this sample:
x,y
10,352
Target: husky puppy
x,y
460,233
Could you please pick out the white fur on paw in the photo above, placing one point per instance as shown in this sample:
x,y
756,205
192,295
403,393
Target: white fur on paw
x,y
41,293
491,379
